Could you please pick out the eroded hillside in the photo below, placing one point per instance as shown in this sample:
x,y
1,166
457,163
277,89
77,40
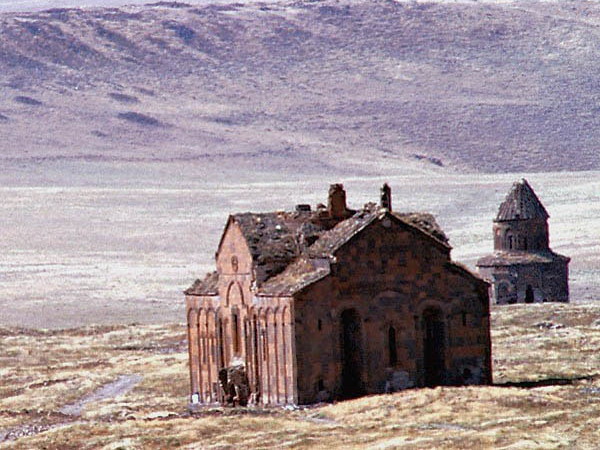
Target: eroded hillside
x,y
305,85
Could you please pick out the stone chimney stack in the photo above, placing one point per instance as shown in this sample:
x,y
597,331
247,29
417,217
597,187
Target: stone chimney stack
x,y
386,197
336,203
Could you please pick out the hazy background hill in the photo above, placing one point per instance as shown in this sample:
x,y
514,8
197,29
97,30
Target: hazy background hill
x,y
306,85
128,134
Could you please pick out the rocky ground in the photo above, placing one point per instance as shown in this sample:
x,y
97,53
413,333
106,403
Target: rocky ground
x,y
126,387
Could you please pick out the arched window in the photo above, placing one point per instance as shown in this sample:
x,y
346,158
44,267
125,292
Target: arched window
x,y
509,240
221,346
392,349
236,333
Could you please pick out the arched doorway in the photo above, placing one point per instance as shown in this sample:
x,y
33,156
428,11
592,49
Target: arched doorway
x,y
529,294
502,294
352,383
434,347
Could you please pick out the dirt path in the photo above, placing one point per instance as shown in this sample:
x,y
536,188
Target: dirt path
x,y
120,386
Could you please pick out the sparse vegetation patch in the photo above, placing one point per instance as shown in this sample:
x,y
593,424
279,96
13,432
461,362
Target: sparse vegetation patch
x,y
123,98
170,4
27,100
547,393
183,32
140,119
430,159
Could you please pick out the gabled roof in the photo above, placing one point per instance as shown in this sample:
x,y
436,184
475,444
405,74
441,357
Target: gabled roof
x,y
278,238
521,203
291,250
314,264
330,241
206,286
301,273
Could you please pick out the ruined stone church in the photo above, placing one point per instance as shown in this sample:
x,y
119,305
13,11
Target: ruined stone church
x,y
328,303
523,268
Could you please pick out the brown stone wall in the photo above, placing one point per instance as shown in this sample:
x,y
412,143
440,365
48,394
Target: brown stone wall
x,y
509,284
523,235
203,347
390,276
265,347
235,326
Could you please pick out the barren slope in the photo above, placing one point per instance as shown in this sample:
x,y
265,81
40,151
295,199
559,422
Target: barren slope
x,y
127,386
305,86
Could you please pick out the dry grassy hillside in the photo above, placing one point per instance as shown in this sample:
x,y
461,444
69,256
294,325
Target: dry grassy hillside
x,y
305,86
126,387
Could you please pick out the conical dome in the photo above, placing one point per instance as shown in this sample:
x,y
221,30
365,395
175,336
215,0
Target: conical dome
x,y
521,203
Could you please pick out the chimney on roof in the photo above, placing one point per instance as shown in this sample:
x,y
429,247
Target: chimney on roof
x,y
336,203
386,197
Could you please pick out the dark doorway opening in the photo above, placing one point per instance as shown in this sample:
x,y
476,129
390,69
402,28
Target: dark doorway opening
x,y
434,347
352,383
392,349
529,294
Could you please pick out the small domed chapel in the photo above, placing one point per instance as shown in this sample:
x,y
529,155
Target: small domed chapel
x,y
523,268
327,303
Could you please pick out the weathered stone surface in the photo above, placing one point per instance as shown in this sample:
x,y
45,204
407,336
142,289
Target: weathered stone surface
x,y
234,384
311,306
523,268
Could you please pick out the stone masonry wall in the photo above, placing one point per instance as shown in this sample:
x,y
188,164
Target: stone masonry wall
x,y
391,275
548,281
236,327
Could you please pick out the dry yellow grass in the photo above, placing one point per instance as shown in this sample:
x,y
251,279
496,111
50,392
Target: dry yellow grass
x,y
553,347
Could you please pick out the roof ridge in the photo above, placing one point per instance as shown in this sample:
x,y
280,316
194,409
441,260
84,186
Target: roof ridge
x,y
521,203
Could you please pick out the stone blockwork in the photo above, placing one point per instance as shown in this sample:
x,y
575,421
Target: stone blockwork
x,y
335,303
523,268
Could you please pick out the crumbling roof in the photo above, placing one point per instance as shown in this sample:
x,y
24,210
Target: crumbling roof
x,y
425,222
516,258
276,239
207,286
296,276
521,203
333,239
291,249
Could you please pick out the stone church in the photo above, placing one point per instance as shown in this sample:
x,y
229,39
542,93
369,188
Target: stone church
x,y
328,303
523,268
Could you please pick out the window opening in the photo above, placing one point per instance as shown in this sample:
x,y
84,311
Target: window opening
x,y
236,334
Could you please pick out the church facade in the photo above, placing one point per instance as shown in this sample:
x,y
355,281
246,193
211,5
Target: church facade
x,y
331,303
523,268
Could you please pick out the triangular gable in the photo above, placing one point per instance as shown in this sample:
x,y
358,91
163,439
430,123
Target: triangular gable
x,y
227,225
345,231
